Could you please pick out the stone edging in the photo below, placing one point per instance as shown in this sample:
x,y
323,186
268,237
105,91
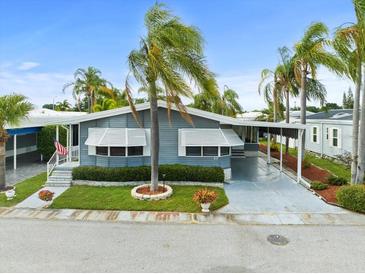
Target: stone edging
x,y
137,183
151,197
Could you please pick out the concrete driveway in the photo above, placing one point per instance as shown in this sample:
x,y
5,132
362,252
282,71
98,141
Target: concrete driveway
x,y
258,187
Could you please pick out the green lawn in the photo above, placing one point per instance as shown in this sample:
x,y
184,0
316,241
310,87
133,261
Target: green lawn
x,y
24,189
119,198
339,170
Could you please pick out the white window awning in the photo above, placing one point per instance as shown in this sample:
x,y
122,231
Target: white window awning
x,y
209,137
116,137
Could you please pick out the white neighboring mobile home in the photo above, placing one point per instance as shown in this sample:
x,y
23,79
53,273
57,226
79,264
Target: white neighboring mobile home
x,y
329,133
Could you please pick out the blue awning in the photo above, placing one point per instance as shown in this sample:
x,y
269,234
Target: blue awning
x,y
23,131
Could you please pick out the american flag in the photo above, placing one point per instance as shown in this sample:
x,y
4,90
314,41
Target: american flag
x,y
61,150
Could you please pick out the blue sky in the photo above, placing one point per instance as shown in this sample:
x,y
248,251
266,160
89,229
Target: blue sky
x,y
43,42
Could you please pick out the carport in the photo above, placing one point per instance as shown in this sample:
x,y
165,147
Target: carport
x,y
280,130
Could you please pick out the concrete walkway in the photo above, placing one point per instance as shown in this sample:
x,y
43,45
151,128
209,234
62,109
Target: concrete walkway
x,y
281,218
33,200
257,187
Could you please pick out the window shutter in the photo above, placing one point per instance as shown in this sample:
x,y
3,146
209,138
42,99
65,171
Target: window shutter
x,y
147,147
339,133
181,149
91,150
330,134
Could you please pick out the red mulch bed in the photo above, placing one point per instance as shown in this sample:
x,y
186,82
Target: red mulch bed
x,y
146,190
312,173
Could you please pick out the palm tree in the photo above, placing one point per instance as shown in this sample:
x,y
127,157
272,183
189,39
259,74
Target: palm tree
x,y
63,106
349,43
225,104
13,108
269,87
169,54
88,83
310,52
110,99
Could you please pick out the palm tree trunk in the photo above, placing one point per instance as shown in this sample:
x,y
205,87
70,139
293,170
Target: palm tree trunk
x,y
155,138
303,105
287,120
355,126
360,178
2,165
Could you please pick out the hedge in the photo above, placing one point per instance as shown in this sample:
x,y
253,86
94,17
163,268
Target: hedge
x,y
352,197
143,173
45,140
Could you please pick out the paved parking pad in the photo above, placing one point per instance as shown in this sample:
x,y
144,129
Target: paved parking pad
x,y
258,188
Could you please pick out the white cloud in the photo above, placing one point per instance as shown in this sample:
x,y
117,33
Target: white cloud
x,y
28,66
40,88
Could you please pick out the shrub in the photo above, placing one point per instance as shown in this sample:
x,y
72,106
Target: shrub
x,y
143,173
352,197
275,147
204,196
45,140
45,195
317,185
306,162
336,181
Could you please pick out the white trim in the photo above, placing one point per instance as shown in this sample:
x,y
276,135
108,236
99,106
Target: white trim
x,y
192,111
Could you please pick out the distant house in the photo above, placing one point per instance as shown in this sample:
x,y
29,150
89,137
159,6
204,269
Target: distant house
x,y
328,133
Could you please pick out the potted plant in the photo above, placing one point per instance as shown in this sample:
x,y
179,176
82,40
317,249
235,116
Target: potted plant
x,y
205,197
45,195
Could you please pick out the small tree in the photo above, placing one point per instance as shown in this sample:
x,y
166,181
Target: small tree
x,y
13,108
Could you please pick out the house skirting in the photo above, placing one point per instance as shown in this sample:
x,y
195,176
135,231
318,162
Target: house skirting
x,y
177,183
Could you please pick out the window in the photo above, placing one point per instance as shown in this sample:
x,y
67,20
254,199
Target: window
x,y
102,151
335,137
210,151
135,151
315,134
193,151
225,151
117,151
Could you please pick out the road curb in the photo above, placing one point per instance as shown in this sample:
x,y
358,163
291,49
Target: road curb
x,y
113,216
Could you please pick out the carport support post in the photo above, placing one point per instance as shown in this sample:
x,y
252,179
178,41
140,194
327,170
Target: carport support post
x,y
57,139
281,149
268,147
14,150
299,155
71,144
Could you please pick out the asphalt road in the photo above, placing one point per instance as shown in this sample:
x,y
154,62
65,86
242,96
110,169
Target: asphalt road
x,y
68,246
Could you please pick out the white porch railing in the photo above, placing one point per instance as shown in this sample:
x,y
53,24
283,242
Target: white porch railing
x,y
52,163
72,156
75,151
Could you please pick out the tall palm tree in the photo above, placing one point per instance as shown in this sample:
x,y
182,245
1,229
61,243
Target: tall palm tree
x,y
310,52
349,43
287,84
169,54
13,108
231,106
269,87
88,82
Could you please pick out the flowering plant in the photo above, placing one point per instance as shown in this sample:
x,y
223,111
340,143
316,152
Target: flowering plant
x,y
45,195
204,196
